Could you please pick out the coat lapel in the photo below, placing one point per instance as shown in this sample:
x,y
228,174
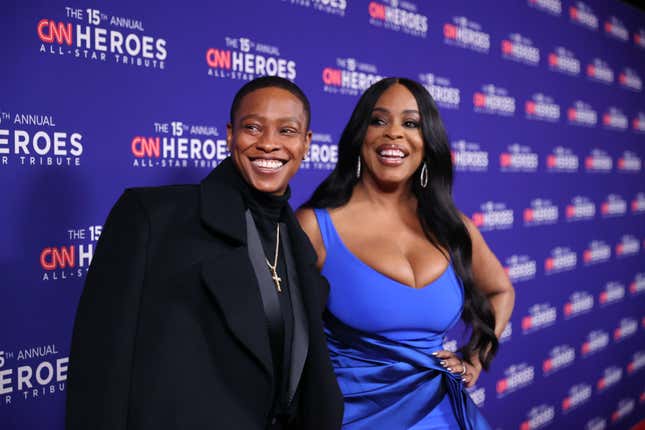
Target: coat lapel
x,y
229,276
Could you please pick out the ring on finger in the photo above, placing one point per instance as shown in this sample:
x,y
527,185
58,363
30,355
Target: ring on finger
x,y
463,365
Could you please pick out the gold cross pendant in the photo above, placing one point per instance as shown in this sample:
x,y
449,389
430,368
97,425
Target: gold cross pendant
x,y
276,279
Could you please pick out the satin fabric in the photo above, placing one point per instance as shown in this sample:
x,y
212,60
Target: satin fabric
x,y
389,384
381,335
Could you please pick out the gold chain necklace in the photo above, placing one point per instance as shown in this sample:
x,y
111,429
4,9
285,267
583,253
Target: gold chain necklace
x,y
274,268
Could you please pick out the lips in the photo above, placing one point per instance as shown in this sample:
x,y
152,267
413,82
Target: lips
x,y
268,164
391,155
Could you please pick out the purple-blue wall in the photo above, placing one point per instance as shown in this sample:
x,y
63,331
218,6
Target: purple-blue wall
x,y
542,100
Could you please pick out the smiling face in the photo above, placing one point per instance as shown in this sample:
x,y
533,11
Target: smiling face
x,y
393,146
268,138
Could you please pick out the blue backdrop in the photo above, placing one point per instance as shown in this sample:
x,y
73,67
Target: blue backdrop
x,y
542,100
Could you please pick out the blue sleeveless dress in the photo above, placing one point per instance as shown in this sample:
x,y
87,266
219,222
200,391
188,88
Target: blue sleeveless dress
x,y
381,335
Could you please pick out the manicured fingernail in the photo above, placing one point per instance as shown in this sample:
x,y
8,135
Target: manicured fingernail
x,y
435,353
448,369
443,363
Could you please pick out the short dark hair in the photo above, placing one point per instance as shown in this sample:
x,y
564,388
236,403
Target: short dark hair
x,y
268,82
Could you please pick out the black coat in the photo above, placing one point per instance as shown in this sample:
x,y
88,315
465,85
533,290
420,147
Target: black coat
x,y
170,331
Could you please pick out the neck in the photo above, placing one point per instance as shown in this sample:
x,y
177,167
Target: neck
x,y
387,196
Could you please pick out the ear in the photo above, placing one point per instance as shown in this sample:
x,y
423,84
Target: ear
x,y
308,136
229,136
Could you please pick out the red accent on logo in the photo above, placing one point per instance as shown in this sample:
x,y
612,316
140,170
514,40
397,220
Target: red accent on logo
x,y
528,215
622,78
50,31
377,11
606,119
449,31
478,219
479,99
621,163
553,59
547,365
630,367
603,297
218,59
615,416
632,288
608,27
586,347
571,211
572,114
637,39
620,248
502,385
642,397
591,70
332,76
525,424
604,208
551,160
589,162
548,264
566,403
54,258
573,12
635,124
586,256
529,106
145,147
507,47
601,383
568,309
505,159
618,333
527,323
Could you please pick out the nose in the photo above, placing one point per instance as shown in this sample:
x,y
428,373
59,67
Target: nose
x,y
268,142
394,131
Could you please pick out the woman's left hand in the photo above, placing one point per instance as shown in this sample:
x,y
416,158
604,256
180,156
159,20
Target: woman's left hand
x,y
455,365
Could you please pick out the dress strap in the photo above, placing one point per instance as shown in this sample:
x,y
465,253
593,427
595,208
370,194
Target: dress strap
x,y
327,230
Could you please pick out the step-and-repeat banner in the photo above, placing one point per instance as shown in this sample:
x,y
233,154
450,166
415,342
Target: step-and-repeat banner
x,y
543,101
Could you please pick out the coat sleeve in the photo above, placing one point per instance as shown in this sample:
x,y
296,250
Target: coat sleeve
x,y
105,328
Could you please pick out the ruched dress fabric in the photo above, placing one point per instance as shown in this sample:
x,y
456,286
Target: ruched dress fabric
x,y
381,335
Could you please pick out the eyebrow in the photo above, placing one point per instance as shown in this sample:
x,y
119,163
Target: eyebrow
x,y
288,118
380,109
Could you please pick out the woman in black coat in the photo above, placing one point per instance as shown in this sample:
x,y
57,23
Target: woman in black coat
x,y
202,307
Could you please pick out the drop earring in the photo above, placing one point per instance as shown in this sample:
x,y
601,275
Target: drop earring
x,y
423,177
358,168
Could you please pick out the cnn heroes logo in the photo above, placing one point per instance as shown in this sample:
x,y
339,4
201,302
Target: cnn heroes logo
x,y
582,14
243,58
495,100
553,7
520,48
93,35
70,260
177,144
469,156
564,61
465,33
443,92
398,15
32,373
35,139
322,154
349,76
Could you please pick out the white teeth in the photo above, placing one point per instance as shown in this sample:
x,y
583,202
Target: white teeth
x,y
267,164
392,153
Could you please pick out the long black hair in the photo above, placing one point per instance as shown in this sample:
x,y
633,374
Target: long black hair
x,y
436,209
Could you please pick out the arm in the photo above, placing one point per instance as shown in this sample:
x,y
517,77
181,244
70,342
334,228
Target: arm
x,y
490,278
309,223
106,321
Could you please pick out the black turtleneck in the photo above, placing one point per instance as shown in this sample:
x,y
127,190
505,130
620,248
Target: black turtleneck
x,y
267,210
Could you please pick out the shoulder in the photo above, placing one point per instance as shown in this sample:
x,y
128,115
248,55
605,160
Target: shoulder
x,y
309,223
165,199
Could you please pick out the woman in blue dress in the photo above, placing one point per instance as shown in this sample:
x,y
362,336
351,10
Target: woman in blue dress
x,y
404,265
